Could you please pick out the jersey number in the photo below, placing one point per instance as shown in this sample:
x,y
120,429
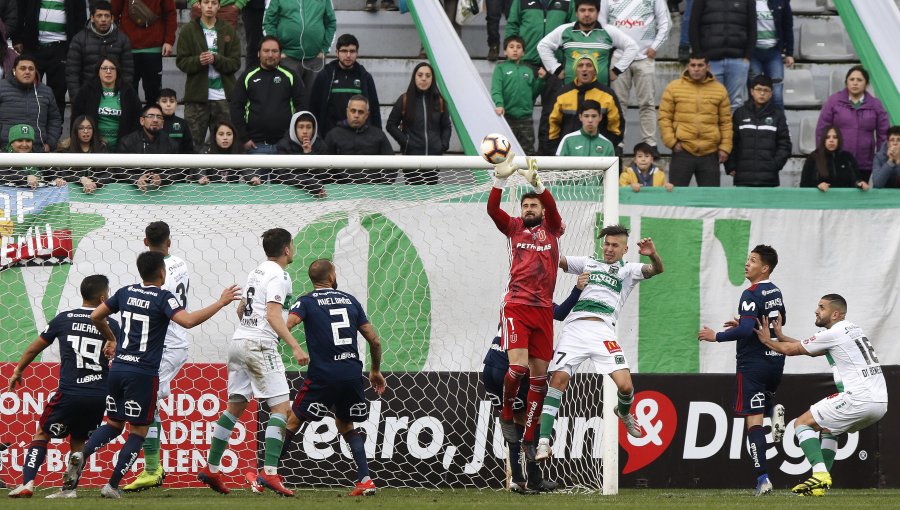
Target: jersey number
x,y
336,326
182,290
131,318
86,349
865,347
248,306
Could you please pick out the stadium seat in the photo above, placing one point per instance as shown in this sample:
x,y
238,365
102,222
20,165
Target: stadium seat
x,y
799,88
825,39
808,6
808,134
838,75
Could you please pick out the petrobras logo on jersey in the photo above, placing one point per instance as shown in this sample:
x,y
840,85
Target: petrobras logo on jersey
x,y
535,247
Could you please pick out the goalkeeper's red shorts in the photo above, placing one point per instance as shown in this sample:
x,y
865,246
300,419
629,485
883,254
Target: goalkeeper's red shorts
x,y
528,327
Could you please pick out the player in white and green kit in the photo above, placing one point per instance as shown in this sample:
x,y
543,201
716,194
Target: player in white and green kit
x,y
589,332
862,396
175,352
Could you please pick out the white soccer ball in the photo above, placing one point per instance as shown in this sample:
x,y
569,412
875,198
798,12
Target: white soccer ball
x,y
495,148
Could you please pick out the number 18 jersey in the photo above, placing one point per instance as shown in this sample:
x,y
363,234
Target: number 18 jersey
x,y
857,371
268,283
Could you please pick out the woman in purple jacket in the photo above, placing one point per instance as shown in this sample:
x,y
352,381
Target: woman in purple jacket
x,y
861,118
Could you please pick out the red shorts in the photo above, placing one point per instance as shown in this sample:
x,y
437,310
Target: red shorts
x,y
528,327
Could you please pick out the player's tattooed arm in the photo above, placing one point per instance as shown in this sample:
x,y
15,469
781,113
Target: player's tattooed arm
x,y
242,305
648,249
375,377
787,346
28,356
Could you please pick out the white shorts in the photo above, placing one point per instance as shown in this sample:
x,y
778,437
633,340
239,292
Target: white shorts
x,y
839,413
255,370
169,366
583,340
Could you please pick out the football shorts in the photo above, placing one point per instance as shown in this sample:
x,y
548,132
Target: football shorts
x,y
755,391
169,366
346,399
255,370
132,397
492,379
67,414
839,413
582,340
527,327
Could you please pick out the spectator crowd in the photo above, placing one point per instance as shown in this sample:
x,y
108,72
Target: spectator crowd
x,y
583,59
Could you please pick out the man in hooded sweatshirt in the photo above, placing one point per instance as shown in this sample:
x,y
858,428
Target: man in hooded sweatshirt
x,y
301,139
100,39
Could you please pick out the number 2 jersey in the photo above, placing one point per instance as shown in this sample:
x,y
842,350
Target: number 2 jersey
x,y
857,371
268,283
331,319
83,368
146,312
607,289
178,282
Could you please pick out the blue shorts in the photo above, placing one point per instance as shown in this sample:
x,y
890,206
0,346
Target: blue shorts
x,y
755,392
67,414
492,379
346,399
132,397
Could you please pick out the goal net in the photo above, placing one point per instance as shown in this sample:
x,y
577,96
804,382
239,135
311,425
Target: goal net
x,y
426,262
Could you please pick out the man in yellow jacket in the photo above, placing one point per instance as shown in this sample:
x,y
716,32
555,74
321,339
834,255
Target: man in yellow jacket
x,y
695,122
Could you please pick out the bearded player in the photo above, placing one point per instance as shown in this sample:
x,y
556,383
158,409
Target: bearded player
x,y
526,315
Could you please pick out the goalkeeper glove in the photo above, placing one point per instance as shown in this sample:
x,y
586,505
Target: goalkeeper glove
x,y
503,170
530,174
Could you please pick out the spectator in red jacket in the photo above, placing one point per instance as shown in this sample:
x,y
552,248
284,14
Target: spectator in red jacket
x,y
152,38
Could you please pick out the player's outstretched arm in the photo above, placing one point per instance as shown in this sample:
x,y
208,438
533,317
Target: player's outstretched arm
x,y
273,315
375,378
98,317
787,346
502,171
28,356
648,249
191,319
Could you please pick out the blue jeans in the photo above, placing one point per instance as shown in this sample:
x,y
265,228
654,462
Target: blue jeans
x,y
770,63
686,25
732,72
263,148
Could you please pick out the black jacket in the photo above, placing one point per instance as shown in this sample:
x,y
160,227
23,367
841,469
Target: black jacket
x,y
784,25
138,143
25,104
263,102
429,134
571,122
26,31
88,48
367,140
723,28
178,132
332,90
842,171
9,14
88,102
762,145
308,179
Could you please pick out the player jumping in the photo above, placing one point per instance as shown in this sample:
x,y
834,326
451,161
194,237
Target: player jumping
x,y
76,408
758,369
527,311
589,332
862,399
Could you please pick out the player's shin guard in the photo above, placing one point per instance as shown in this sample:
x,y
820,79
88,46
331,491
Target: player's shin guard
x,y
534,405
221,433
104,434
34,459
151,447
829,449
356,438
274,442
551,409
812,448
127,455
757,439
511,383
625,400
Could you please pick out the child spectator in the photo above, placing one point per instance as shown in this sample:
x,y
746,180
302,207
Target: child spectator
x,y
514,88
587,141
302,138
223,142
85,139
173,125
642,171
831,167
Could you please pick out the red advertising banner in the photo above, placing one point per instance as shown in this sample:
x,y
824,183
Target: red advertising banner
x,y
198,397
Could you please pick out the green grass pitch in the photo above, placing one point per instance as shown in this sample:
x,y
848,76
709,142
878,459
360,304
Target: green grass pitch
x,y
408,499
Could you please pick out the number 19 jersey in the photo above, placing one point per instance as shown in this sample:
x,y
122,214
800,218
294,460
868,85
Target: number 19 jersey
x,y
83,367
178,282
268,283
856,366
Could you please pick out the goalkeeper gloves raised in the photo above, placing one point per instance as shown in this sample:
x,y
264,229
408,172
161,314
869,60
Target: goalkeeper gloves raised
x,y
503,170
530,174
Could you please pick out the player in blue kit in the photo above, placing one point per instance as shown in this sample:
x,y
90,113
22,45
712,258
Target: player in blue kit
x,y
331,319
759,368
76,408
146,311
496,364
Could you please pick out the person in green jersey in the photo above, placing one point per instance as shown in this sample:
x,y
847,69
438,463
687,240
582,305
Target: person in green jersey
x,y
116,106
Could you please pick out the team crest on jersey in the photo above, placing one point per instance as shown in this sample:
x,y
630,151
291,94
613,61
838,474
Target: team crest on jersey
x,y
612,346
176,126
541,235
614,270
277,80
620,360
357,83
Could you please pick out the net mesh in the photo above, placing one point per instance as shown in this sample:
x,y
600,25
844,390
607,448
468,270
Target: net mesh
x,y
426,262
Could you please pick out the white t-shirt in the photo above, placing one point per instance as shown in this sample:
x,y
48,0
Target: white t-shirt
x,y
853,360
268,283
178,282
607,289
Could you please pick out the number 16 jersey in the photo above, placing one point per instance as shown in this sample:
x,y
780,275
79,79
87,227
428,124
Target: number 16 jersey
x,y
268,283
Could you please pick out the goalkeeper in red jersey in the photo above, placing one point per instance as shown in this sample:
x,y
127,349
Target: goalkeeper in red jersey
x,y
526,315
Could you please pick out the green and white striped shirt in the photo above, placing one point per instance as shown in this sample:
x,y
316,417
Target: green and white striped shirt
x,y
52,21
216,89
766,37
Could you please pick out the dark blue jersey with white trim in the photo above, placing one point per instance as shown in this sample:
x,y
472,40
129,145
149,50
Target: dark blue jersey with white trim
x,y
146,313
83,369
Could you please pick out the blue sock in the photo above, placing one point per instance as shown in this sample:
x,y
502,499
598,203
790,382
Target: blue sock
x,y
104,434
34,459
356,438
127,455
515,454
758,447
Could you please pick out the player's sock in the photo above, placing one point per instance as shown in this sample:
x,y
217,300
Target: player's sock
x,y
757,439
34,459
288,441
151,448
829,449
515,454
221,433
625,400
534,405
356,438
104,434
127,455
534,473
551,408
274,442
812,447
511,382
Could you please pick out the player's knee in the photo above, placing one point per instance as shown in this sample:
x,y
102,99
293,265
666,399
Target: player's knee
x,y
517,372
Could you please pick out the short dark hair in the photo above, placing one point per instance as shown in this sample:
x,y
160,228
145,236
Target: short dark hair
x,y
150,106
862,71
513,38
761,79
530,194
275,240
696,55
767,255
157,233
149,264
643,147
358,97
319,270
613,230
101,5
269,38
595,3
346,40
93,287
837,301
590,104
25,56
893,130
168,93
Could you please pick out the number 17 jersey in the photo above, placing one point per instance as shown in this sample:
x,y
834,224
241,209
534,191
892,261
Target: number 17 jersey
x,y
268,283
146,313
